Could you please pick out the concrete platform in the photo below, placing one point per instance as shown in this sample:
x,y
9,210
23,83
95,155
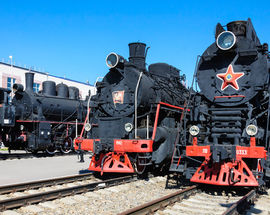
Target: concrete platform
x,y
24,170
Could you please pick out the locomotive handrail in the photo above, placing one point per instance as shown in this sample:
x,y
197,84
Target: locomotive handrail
x,y
52,122
136,98
157,115
88,113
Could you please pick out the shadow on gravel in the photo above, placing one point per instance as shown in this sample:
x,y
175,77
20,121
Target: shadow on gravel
x,y
176,181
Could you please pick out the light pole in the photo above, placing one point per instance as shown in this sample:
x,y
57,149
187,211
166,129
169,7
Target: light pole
x,y
10,57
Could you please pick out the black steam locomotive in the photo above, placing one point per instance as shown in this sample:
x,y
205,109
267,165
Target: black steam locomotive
x,y
41,121
135,115
229,124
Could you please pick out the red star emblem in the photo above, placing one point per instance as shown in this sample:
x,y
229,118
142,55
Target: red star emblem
x,y
230,78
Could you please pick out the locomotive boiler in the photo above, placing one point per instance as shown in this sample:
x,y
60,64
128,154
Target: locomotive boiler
x,y
229,124
41,121
135,114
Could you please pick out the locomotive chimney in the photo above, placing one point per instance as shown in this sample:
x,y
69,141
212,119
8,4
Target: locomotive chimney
x,y
29,81
137,54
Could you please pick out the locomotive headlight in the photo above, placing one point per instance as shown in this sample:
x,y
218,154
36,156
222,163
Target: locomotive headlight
x,y
128,127
48,133
114,60
251,130
194,130
42,132
226,40
87,127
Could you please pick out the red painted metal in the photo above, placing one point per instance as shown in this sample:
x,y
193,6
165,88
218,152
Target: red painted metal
x,y
220,174
198,151
111,162
173,106
251,151
252,141
179,161
86,144
134,145
157,115
195,141
233,96
156,122
52,122
24,136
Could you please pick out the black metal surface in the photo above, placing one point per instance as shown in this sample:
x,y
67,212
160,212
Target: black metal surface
x,y
254,67
50,195
131,91
234,94
36,121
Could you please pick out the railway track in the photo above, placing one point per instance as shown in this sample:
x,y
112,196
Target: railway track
x,y
194,201
261,204
24,155
15,202
43,183
114,196
162,202
111,199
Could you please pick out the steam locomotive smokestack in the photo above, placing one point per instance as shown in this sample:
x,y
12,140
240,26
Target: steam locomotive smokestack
x,y
29,81
137,54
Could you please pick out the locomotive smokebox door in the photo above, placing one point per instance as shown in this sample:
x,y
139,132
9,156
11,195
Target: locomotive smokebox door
x,y
44,134
41,138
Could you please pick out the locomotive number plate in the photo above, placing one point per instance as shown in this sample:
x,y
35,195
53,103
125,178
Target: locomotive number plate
x,y
241,152
205,151
118,97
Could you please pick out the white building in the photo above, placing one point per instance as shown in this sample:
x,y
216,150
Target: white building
x,y
10,74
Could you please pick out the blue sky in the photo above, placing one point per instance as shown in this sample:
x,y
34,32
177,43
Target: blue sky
x,y
73,38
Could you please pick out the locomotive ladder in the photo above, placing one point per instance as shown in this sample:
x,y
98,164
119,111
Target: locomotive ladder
x,y
178,145
176,158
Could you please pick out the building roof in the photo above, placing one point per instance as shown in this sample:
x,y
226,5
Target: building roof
x,y
44,73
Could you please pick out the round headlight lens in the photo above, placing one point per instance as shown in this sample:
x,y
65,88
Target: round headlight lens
x,y
251,130
112,60
194,130
226,40
87,127
128,127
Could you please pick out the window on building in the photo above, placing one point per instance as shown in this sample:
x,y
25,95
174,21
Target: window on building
x,y
36,87
10,82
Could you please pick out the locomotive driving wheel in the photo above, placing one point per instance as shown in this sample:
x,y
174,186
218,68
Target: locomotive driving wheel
x,y
66,146
51,149
139,166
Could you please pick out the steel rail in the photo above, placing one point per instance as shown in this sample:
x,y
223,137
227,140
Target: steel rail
x,y
59,193
42,183
162,202
242,204
13,156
